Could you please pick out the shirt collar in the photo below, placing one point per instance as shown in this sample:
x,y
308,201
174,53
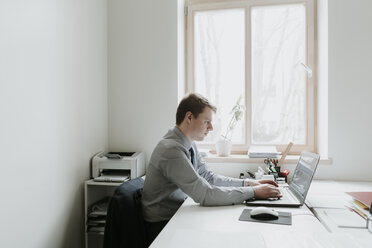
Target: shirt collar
x,y
186,142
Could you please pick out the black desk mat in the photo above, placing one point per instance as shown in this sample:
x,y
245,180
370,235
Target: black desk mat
x,y
285,218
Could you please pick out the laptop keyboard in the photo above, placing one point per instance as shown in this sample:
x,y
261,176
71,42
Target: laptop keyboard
x,y
284,189
287,194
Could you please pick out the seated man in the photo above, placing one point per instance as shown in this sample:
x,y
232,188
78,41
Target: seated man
x,y
177,170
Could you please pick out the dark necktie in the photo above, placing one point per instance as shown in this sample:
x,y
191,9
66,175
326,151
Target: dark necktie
x,y
192,156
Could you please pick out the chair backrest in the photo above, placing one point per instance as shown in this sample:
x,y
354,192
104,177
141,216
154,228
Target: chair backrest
x,y
124,223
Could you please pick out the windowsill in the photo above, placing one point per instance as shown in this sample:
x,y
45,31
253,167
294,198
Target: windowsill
x,y
241,158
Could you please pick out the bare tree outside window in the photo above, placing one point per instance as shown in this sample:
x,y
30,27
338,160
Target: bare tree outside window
x,y
220,64
278,80
262,52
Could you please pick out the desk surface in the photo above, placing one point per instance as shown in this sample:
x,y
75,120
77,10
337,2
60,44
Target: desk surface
x,y
325,196
197,226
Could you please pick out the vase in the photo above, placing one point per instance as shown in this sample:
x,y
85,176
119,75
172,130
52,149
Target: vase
x,y
223,147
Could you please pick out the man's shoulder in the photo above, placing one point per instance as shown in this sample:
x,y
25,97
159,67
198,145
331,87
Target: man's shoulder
x,y
171,145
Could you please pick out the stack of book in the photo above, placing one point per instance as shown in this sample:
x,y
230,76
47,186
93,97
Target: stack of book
x,y
361,203
97,213
263,152
356,211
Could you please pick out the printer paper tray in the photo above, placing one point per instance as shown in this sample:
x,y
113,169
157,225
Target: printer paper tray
x,y
112,178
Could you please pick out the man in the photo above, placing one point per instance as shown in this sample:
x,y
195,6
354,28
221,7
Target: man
x,y
177,170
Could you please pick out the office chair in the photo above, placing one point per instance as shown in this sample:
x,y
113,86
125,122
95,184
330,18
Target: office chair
x,y
125,226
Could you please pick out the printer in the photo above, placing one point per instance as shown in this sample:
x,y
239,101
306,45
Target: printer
x,y
118,166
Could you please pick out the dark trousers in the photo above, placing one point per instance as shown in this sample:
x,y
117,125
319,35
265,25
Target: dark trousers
x,y
153,229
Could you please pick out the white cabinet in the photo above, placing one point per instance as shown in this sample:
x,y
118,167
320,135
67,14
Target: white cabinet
x,y
94,192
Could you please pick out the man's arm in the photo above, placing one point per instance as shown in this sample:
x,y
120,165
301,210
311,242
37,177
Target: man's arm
x,y
177,168
220,180
215,179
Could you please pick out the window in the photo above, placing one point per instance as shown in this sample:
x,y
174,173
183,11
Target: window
x,y
261,52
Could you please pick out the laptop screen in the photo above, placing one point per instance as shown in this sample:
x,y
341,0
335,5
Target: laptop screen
x,y
304,173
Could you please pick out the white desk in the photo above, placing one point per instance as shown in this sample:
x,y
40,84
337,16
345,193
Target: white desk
x,y
196,226
327,196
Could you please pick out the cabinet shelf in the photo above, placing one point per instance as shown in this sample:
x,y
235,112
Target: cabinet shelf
x,y
93,192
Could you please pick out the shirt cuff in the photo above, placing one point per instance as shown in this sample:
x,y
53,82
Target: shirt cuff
x,y
245,182
249,193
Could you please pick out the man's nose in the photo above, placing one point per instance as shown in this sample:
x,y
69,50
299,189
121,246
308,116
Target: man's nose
x,y
210,127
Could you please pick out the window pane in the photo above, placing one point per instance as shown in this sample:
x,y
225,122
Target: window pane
x,y
278,78
219,65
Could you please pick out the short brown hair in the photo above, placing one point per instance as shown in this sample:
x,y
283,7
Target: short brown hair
x,y
194,103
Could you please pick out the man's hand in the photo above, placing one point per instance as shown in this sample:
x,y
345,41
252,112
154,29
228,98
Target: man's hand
x,y
265,188
263,181
263,191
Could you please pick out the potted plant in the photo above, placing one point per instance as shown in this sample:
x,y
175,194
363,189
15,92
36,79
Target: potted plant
x,y
223,145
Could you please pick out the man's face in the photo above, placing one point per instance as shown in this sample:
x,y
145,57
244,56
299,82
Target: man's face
x,y
200,126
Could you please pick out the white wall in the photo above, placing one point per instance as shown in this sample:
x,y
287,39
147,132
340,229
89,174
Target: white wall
x,y
142,93
53,109
349,90
142,72
322,76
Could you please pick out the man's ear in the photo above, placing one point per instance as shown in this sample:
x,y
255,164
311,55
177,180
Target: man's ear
x,y
188,116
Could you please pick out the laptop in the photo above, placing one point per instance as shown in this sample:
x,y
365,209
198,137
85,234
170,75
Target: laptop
x,y
294,195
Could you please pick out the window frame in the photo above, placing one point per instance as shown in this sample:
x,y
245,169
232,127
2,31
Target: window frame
x,y
192,6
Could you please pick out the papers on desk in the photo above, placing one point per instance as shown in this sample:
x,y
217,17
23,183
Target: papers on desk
x,y
364,198
263,152
345,218
326,201
361,203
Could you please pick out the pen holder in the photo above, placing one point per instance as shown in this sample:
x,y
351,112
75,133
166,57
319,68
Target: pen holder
x,y
277,168
275,174
274,169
